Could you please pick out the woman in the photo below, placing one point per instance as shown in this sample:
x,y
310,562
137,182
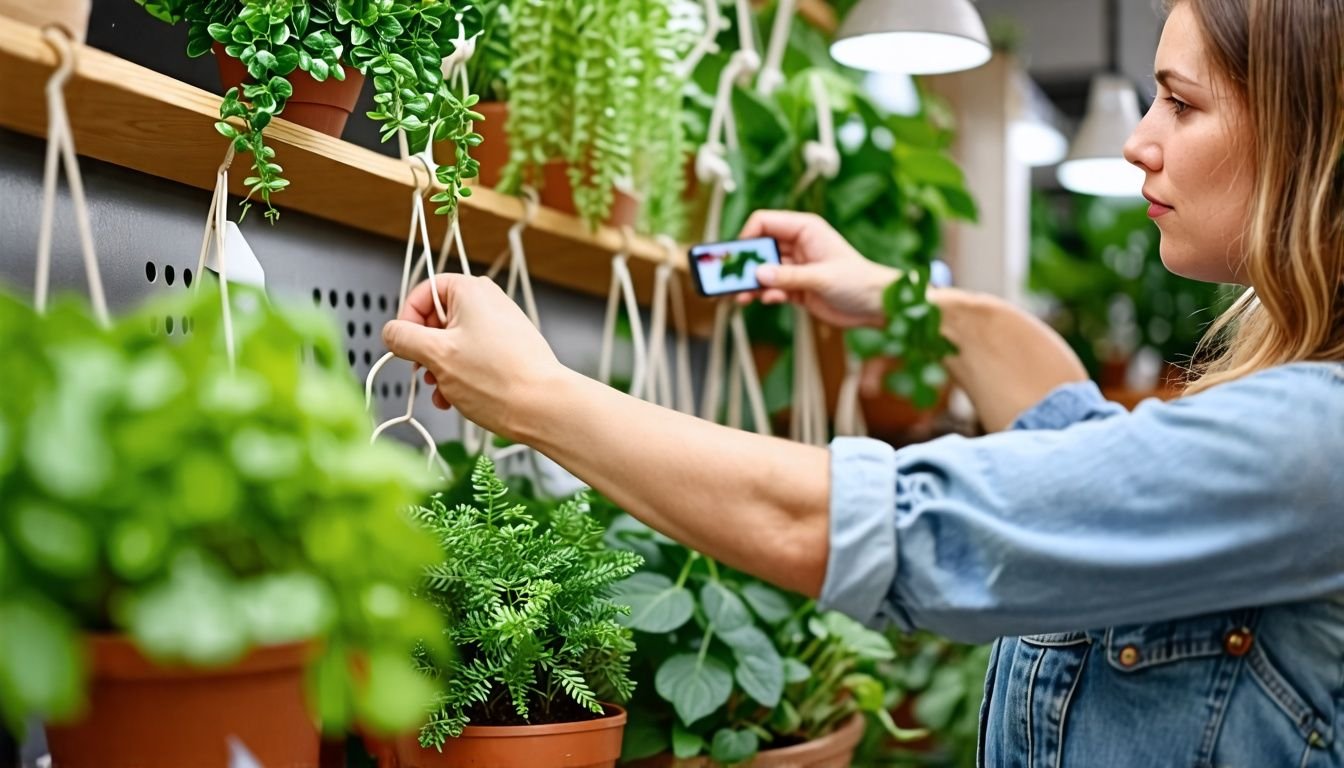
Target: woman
x,y
1166,584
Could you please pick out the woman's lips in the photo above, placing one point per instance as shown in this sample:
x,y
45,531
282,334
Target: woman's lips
x,y
1157,208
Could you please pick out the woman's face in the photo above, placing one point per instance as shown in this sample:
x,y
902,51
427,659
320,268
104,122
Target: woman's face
x,y
1194,148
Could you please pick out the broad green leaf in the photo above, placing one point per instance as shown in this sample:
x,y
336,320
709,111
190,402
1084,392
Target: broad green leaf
x,y
41,663
724,609
937,705
685,744
795,671
858,638
768,603
694,687
731,746
656,603
760,670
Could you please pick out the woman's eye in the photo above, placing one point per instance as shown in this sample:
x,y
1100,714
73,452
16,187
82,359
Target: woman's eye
x,y
1177,106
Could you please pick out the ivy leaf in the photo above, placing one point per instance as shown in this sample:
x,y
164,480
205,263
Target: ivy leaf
x,y
726,611
41,665
795,671
693,686
656,604
858,638
731,746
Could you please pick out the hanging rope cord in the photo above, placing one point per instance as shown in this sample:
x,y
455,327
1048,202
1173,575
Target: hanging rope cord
x,y
61,151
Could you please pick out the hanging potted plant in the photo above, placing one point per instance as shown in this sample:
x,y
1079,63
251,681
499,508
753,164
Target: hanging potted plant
x,y
306,60
594,109
188,546
732,669
69,15
541,662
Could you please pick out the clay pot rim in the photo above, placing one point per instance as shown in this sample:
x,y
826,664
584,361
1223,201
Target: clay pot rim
x,y
848,734
114,655
616,718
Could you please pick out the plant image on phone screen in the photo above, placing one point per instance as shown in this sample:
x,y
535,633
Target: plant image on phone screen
x,y
730,267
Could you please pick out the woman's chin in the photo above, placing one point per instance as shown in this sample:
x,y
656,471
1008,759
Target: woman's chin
x,y
1189,263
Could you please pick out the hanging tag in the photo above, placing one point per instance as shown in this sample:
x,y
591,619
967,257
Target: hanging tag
x,y
243,267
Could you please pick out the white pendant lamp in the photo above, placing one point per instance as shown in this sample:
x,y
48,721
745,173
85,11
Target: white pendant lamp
x,y
1034,136
1096,164
917,37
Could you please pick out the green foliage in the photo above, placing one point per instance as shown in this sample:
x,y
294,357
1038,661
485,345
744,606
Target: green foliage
x,y
736,665
594,83
943,685
1098,262
736,263
150,488
400,44
896,188
527,608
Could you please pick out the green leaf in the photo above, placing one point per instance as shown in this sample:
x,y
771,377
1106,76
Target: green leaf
x,y
769,603
41,663
685,744
854,194
732,746
656,603
694,687
795,671
858,638
928,167
760,670
726,611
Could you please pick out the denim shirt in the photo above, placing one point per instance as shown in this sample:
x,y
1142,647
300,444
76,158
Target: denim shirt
x,y
1167,585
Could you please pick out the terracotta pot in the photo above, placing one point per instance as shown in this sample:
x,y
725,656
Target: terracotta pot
x,y
556,192
142,715
587,744
70,15
834,750
324,107
493,152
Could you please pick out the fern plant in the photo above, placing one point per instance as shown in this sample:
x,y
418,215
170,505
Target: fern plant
x,y
528,610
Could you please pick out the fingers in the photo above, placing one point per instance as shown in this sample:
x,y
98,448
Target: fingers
x,y
419,307
784,226
440,401
412,341
789,277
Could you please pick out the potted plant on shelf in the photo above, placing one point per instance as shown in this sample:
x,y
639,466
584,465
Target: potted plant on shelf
x,y
594,106
188,545
740,670
541,662
290,58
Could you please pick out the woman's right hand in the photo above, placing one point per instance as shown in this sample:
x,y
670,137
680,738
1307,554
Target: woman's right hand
x,y
821,271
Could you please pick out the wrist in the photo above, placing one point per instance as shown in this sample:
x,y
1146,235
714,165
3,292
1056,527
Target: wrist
x,y
879,278
535,411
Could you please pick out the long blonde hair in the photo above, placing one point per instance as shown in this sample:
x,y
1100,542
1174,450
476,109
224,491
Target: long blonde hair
x,y
1285,61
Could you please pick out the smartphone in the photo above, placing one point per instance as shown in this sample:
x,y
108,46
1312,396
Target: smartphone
x,y
730,267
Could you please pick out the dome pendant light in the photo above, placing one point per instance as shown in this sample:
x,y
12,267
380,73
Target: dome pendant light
x,y
916,37
1096,164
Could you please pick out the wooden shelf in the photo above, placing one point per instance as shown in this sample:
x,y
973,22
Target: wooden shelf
x,y
134,117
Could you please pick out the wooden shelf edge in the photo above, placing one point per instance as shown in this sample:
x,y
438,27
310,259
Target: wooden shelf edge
x,y
136,118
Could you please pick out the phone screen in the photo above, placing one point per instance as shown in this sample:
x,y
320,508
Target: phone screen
x,y
730,267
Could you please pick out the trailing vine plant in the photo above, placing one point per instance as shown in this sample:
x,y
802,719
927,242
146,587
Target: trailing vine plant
x,y
527,606
399,43
595,83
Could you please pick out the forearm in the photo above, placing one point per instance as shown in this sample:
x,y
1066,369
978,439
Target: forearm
x,y
757,504
1007,360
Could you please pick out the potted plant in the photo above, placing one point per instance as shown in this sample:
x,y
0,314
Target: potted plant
x,y
541,662
594,99
69,15
739,669
187,545
286,57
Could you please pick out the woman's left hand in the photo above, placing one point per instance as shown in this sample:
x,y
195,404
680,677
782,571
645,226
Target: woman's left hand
x,y
485,358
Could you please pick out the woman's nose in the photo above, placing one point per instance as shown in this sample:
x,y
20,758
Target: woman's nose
x,y
1142,149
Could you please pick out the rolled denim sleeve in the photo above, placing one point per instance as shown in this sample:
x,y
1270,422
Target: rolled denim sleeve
x,y
1089,517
